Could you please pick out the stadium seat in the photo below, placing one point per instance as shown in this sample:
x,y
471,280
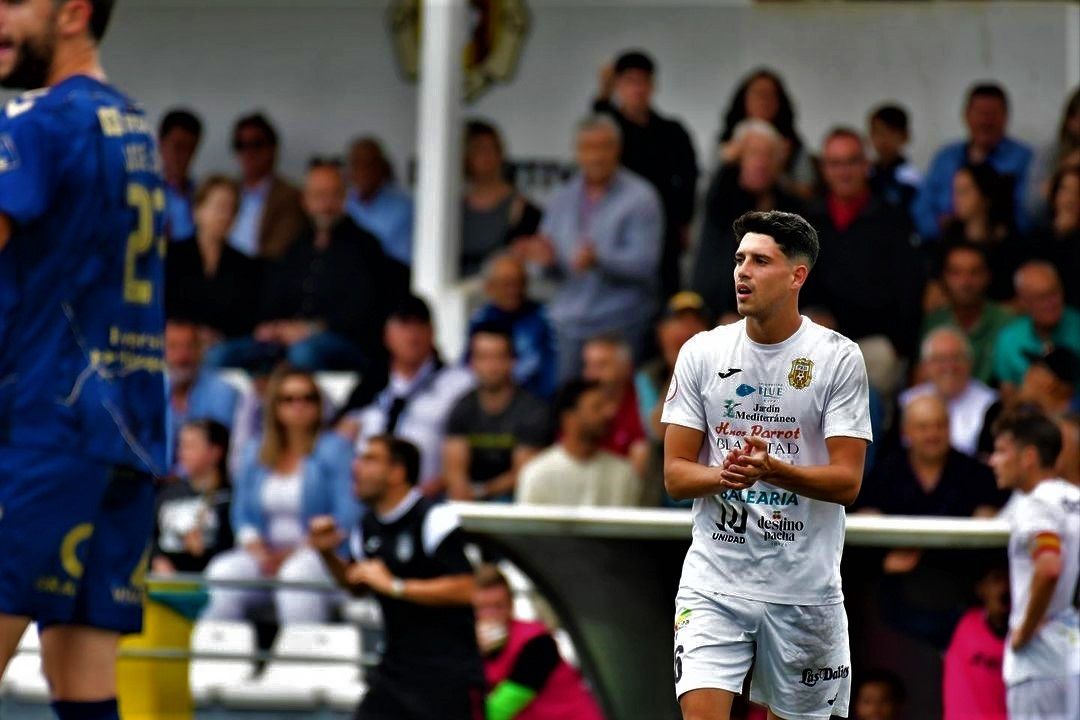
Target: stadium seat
x,y
302,684
23,678
209,675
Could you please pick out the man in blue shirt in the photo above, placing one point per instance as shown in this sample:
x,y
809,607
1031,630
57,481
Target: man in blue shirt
x,y
375,201
82,415
986,115
178,141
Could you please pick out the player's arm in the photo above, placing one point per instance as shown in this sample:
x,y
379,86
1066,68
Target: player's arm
x,y
684,476
325,537
837,482
1046,569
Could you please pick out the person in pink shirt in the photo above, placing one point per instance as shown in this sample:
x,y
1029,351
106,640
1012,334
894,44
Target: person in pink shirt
x,y
973,686
526,677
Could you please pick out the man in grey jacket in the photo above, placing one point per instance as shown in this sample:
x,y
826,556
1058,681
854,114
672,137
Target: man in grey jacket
x,y
600,240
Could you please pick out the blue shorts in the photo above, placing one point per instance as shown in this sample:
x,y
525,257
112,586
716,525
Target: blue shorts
x,y
74,539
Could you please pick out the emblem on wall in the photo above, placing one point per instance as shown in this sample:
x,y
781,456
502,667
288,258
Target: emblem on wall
x,y
496,30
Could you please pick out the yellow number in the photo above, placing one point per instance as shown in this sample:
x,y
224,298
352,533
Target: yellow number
x,y
140,242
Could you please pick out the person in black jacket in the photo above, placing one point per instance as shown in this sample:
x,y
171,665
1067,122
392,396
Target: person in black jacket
x,y
868,273
655,147
410,553
750,182
325,300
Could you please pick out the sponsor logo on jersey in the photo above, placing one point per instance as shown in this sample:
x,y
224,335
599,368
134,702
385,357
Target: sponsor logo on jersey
x,y
771,390
682,619
724,444
726,428
760,497
729,408
725,374
404,550
732,525
778,528
760,413
372,545
811,677
801,374
744,390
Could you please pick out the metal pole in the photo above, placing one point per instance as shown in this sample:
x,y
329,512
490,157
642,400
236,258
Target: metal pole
x,y
438,189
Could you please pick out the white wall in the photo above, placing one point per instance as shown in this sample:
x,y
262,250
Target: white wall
x,y
325,69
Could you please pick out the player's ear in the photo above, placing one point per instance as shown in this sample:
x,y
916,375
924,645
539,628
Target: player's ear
x,y
798,275
73,18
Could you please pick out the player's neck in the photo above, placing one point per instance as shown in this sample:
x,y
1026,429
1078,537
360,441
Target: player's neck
x,y
78,60
390,500
774,328
1032,481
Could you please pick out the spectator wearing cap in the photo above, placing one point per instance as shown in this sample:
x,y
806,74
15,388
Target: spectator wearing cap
x,y
600,241
986,114
946,365
271,214
868,274
378,204
684,316
608,361
178,141
965,277
420,393
526,677
324,300
496,428
892,176
928,476
1046,322
577,471
750,180
656,148
506,290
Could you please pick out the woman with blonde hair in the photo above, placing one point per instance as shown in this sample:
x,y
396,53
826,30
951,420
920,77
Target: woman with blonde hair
x,y
296,471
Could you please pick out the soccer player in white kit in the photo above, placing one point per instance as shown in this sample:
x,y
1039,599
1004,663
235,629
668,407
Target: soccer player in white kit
x,y
767,427
1042,656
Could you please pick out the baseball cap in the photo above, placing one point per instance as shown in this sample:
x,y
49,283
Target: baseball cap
x,y
687,301
413,308
634,60
1062,362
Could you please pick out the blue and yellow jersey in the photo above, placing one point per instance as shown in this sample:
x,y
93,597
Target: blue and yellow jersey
x,y
82,277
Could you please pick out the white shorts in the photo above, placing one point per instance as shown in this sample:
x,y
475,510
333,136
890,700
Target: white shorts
x,y
800,654
1045,699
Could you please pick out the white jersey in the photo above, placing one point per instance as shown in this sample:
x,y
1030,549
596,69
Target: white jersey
x,y
1053,507
766,543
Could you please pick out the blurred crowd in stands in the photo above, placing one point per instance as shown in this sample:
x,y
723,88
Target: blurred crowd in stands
x,y
960,282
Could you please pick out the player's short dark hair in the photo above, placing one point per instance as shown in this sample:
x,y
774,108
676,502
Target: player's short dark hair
x,y
570,393
795,236
987,90
635,60
497,329
402,453
880,676
891,116
258,121
1029,427
180,119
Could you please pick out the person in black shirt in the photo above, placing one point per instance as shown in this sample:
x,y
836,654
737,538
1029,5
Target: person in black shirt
x,y
208,281
410,553
892,177
192,516
325,299
495,429
655,147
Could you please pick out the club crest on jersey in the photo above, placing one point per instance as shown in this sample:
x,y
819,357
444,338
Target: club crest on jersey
x,y
802,373
404,548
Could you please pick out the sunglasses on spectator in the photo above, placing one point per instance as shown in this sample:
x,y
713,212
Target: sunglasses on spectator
x,y
307,398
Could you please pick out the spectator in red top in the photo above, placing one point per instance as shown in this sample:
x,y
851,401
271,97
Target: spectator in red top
x,y
526,677
608,360
973,685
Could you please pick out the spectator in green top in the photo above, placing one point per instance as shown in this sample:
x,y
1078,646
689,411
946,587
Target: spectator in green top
x,y
1046,323
965,276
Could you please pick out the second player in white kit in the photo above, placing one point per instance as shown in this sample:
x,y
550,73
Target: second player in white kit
x,y
768,422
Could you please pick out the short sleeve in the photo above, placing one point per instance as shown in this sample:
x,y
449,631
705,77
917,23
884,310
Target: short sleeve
x,y
444,541
847,406
684,404
1037,517
27,176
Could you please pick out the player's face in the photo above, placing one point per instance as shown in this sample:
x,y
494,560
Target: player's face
x,y
1005,461
875,702
27,42
966,278
371,472
491,361
764,276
